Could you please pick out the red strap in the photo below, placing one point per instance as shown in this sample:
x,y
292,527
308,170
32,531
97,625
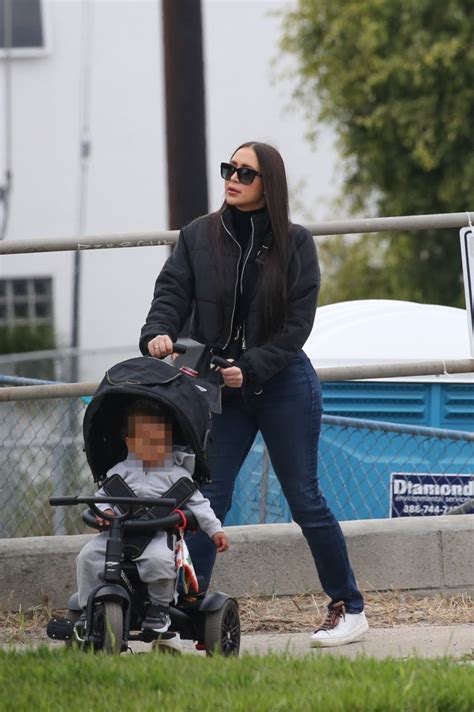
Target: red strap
x,y
184,521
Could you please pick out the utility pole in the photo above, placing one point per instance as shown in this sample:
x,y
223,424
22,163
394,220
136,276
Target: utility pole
x,y
7,41
85,148
185,111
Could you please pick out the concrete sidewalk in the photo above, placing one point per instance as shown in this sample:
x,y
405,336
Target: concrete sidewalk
x,y
425,642
404,642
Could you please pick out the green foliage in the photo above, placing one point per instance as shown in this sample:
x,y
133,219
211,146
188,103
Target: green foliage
x,y
18,339
21,339
396,79
69,680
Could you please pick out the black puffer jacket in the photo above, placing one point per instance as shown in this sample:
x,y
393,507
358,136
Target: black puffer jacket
x,y
186,286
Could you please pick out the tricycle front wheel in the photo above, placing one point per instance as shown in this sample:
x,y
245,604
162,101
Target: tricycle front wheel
x,y
108,626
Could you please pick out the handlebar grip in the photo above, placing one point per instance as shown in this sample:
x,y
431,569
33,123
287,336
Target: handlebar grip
x,y
221,362
59,501
179,348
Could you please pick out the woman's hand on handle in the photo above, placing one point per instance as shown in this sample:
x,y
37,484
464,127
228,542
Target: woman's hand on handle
x,y
160,346
233,377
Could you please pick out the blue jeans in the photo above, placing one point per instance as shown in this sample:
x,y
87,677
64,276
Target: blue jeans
x,y
288,414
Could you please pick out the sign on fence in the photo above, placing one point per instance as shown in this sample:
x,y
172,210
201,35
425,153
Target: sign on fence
x,y
419,494
466,235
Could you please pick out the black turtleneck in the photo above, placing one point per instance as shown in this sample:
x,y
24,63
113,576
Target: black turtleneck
x,y
242,222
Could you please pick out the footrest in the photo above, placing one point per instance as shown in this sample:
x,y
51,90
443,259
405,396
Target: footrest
x,y
60,629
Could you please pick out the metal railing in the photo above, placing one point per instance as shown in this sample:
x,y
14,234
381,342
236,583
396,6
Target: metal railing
x,y
332,227
329,373
40,425
352,226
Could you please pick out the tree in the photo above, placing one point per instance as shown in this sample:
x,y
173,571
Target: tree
x,y
396,79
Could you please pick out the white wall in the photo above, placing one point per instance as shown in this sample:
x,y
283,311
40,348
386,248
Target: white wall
x,y
246,102
126,177
126,185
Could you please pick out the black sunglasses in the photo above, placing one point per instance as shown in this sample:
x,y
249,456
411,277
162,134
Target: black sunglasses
x,y
244,174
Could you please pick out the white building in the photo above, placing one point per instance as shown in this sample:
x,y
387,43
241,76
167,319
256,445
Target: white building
x,y
113,49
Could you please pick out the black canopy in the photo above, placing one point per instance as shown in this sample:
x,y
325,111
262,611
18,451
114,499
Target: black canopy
x,y
183,397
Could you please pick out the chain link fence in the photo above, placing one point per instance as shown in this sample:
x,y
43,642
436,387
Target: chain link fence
x,y
41,456
361,465
367,469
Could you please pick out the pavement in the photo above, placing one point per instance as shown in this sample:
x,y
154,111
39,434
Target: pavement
x,y
403,642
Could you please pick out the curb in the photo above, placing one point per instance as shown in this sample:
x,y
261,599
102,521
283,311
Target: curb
x,y
419,554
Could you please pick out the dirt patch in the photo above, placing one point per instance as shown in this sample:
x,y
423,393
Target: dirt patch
x,y
384,610
286,614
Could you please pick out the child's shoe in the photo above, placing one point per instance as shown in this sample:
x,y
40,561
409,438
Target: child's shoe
x,y
339,628
157,618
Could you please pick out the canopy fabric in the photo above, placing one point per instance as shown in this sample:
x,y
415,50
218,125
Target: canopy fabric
x,y
181,396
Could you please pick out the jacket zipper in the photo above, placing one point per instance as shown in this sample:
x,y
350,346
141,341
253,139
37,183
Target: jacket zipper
x,y
247,257
249,252
244,342
236,285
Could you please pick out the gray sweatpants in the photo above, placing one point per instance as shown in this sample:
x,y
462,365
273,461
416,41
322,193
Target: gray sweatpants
x,y
156,567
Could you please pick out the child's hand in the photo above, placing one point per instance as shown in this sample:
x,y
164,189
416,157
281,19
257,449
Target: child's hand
x,y
221,541
105,522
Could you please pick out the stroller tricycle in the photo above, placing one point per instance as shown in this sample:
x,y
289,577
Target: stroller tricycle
x,y
116,608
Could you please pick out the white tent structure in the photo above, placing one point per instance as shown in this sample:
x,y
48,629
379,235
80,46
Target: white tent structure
x,y
384,330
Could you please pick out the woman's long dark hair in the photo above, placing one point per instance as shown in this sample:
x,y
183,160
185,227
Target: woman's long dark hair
x,y
275,270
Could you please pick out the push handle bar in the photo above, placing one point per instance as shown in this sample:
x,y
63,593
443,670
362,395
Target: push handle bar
x,y
143,525
179,348
150,501
170,521
221,362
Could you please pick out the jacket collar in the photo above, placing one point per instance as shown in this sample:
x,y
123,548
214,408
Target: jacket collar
x,y
263,233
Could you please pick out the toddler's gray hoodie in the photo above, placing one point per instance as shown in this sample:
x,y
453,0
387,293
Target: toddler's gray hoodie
x,y
154,482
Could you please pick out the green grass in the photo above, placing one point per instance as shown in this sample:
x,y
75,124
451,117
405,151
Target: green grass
x,y
53,680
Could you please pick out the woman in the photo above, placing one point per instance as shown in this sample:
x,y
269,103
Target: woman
x,y
250,280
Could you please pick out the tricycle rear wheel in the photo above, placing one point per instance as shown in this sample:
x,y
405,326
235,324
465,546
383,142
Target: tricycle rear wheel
x,y
222,630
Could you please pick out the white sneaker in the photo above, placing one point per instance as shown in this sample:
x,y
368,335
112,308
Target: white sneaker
x,y
339,628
